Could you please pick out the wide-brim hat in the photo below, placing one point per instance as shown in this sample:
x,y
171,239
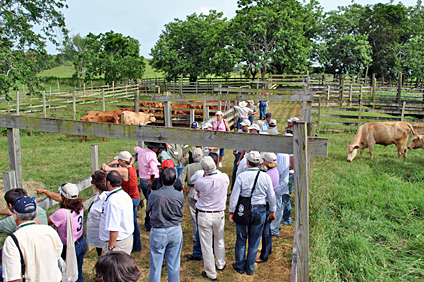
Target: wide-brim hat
x,y
158,145
245,122
242,104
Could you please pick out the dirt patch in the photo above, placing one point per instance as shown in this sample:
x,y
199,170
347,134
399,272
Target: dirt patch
x,y
29,186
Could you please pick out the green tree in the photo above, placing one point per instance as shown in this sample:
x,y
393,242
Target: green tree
x,y
72,46
410,60
111,55
275,33
194,47
22,50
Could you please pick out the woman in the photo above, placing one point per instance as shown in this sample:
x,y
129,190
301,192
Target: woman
x,y
129,184
73,203
116,267
98,180
220,124
270,164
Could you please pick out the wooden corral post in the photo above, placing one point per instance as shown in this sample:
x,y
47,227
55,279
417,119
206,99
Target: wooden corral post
x,y
113,88
350,95
103,100
44,104
15,160
308,111
9,179
360,106
204,109
228,105
181,84
126,92
94,156
74,105
167,113
219,105
197,86
58,86
328,95
17,102
399,88
192,116
136,101
374,89
319,113
301,176
308,80
323,79
342,91
403,110
50,97
206,117
303,114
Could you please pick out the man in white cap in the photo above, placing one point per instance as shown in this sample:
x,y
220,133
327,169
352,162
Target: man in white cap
x,y
263,189
243,111
267,120
289,128
272,130
220,124
252,106
212,193
40,245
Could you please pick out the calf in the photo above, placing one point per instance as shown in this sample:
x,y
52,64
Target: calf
x,y
383,133
91,118
139,118
417,142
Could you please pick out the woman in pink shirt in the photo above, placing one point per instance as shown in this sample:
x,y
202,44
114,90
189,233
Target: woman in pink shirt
x,y
220,124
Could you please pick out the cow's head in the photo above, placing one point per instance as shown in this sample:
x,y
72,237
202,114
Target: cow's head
x,y
151,118
115,119
351,151
417,142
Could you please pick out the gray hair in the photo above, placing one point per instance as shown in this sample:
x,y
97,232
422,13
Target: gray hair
x,y
208,164
197,154
25,216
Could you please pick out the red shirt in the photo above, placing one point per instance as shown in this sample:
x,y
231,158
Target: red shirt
x,y
131,186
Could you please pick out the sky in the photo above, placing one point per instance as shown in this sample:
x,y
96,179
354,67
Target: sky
x,y
144,20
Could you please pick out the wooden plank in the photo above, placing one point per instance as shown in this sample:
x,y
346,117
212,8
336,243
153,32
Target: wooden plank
x,y
221,139
9,179
167,114
15,159
301,177
233,97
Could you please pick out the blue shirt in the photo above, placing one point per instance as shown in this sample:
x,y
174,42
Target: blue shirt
x,y
265,126
166,205
244,183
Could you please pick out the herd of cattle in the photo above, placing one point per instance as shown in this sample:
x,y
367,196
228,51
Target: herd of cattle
x,y
384,133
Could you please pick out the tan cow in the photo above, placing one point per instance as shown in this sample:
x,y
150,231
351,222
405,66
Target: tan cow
x,y
92,118
139,118
417,142
383,133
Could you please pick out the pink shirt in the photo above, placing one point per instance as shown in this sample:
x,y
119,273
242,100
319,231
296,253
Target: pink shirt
x,y
220,127
147,163
59,220
212,191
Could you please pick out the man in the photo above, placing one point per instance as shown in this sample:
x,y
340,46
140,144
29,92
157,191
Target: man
x,y
251,106
166,237
237,153
178,156
262,108
185,178
272,130
289,128
243,111
8,224
253,231
116,221
147,171
282,191
265,126
212,193
194,125
40,245
253,129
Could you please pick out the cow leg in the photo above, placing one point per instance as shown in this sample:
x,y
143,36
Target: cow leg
x,y
104,139
361,152
371,146
84,138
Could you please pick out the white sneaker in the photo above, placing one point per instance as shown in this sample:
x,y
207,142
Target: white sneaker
x,y
220,164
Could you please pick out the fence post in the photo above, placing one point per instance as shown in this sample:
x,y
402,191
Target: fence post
x,y
399,88
350,95
360,106
103,100
403,110
44,104
192,116
323,79
17,102
207,114
204,109
373,89
301,175
303,114
328,95
181,84
50,97
15,159
319,113
136,101
94,156
167,113
197,86
9,178
342,91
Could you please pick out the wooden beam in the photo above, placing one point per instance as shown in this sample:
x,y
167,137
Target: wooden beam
x,y
221,139
301,177
15,159
9,179
234,97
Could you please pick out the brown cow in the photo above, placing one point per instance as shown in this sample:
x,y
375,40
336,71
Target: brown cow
x,y
92,118
136,118
417,142
117,112
383,133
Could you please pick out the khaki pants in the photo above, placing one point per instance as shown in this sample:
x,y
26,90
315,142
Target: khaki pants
x,y
121,245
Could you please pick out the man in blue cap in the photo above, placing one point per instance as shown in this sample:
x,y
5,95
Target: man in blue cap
x,y
33,250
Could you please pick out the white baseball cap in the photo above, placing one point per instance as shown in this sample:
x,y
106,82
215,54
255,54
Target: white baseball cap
x,y
124,155
218,113
245,122
270,157
254,157
69,191
254,126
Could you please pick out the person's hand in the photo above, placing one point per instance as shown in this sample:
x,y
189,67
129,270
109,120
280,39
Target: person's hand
x,y
39,191
149,183
271,217
103,166
36,221
231,218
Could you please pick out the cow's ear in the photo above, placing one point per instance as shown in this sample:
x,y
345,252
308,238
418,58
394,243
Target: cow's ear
x,y
356,147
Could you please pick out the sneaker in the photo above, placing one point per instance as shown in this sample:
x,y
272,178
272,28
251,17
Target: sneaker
x,y
220,164
206,276
191,257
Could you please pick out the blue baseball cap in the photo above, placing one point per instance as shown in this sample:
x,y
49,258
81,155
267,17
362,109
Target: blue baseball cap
x,y
194,124
25,204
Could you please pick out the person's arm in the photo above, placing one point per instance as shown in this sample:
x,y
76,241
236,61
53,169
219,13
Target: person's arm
x,y
150,182
114,162
113,236
123,171
6,212
52,195
234,197
49,221
227,126
241,156
291,162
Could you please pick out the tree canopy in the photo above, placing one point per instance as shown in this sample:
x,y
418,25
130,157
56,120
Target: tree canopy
x,y
112,55
22,50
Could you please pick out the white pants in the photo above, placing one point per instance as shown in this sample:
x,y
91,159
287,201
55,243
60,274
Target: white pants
x,y
192,208
211,227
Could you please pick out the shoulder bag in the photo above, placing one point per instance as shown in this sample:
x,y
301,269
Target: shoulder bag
x,y
243,213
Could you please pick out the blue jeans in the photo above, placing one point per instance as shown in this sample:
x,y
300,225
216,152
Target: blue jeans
x,y
179,169
282,202
287,206
197,248
251,233
165,242
266,239
262,109
233,177
136,237
251,119
81,248
146,192
238,123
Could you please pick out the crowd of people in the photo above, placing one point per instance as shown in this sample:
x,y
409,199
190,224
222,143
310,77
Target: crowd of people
x,y
163,175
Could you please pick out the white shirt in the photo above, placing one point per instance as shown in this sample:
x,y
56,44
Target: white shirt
x,y
117,215
244,183
283,161
242,166
93,220
212,191
243,111
41,248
